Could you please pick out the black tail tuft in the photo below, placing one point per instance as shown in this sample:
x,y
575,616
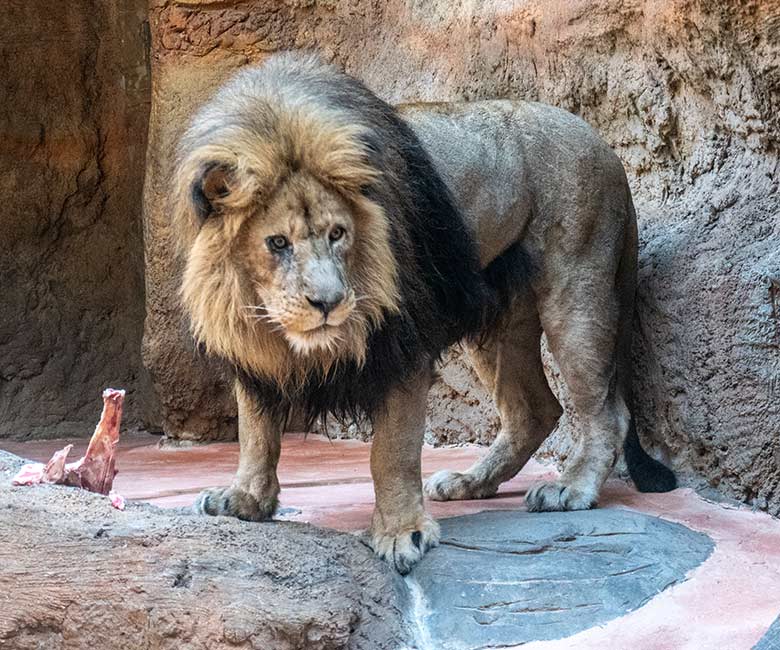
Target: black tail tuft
x,y
647,473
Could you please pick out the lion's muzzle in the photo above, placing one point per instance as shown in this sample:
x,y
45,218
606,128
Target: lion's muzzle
x,y
326,303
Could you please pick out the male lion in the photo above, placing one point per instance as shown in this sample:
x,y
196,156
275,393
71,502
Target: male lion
x,y
336,246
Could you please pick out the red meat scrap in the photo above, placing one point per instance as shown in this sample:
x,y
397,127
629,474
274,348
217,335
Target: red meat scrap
x,y
96,470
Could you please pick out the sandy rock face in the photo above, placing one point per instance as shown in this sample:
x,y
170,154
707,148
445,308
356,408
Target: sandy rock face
x,y
686,92
74,83
76,573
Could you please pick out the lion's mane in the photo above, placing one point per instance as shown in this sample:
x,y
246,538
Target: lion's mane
x,y
295,113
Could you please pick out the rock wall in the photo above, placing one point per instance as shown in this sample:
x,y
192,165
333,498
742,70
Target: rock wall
x,y
74,82
685,91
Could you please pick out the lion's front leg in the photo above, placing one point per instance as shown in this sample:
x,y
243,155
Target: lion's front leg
x,y
254,493
401,530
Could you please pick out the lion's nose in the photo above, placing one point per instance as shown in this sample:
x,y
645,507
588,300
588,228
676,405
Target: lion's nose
x,y
326,304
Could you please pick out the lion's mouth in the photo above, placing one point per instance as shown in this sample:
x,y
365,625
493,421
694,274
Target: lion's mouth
x,y
322,329
324,336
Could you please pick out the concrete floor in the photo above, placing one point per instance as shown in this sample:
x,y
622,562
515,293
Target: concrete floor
x,y
728,603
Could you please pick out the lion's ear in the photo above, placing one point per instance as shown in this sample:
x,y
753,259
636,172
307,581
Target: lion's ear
x,y
211,188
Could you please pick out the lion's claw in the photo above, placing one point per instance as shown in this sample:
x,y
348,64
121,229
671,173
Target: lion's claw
x,y
234,502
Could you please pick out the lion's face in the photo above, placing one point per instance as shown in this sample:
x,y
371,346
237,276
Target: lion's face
x,y
295,254
282,272
283,221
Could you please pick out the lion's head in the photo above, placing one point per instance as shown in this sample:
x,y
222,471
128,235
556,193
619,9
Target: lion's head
x,y
287,263
324,257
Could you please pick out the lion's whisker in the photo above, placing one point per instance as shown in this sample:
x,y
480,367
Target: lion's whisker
x,y
278,327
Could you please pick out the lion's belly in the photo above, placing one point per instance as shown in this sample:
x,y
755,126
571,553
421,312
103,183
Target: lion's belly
x,y
514,167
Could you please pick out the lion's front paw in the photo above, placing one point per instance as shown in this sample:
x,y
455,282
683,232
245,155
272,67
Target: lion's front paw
x,y
403,549
454,486
546,497
234,502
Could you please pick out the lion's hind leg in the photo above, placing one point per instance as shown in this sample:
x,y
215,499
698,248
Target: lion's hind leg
x,y
583,331
509,364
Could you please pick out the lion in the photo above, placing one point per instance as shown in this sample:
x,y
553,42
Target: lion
x,y
335,246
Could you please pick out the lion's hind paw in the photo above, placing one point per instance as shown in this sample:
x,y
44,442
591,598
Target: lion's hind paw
x,y
557,496
454,486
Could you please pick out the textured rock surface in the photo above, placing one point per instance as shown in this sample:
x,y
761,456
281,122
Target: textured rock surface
x,y
507,578
74,82
685,91
459,407
76,573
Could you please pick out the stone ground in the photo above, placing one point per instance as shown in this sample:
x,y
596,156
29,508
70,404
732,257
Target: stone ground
x,y
671,571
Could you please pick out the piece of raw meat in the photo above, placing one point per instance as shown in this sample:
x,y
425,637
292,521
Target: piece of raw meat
x,y
117,500
51,472
96,470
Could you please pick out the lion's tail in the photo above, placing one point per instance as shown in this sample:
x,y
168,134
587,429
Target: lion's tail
x,y
648,474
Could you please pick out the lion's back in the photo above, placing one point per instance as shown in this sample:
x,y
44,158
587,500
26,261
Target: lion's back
x,y
509,160
502,136
501,120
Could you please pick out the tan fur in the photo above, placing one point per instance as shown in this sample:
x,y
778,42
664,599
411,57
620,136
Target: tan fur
x,y
538,175
254,494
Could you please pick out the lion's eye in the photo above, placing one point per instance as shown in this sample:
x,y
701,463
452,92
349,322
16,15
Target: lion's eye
x,y
278,243
337,233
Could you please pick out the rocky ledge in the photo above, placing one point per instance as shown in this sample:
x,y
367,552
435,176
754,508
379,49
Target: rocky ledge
x,y
77,573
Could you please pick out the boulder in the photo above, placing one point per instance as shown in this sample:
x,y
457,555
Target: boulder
x,y
502,579
771,640
78,573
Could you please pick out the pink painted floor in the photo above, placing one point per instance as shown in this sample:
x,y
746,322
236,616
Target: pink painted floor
x,y
728,602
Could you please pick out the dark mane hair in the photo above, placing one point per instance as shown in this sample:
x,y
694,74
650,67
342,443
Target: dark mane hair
x,y
444,295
